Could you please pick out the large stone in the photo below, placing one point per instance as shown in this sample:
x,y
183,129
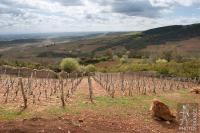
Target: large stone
x,y
160,111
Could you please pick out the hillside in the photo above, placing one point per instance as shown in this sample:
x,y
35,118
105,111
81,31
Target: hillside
x,y
185,39
157,36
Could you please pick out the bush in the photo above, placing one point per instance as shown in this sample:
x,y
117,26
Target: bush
x,y
191,69
69,65
163,70
90,68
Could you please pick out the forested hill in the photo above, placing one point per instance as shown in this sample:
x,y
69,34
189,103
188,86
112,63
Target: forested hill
x,y
173,33
157,36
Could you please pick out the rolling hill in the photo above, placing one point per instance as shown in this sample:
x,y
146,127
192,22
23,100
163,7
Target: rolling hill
x,y
184,39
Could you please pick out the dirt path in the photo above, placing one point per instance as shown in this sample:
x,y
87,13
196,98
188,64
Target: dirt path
x,y
97,89
39,125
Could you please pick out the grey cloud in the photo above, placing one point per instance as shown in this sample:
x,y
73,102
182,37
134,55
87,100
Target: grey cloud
x,y
132,7
95,17
128,7
15,5
103,2
12,8
19,10
7,2
68,2
11,11
89,16
6,25
136,8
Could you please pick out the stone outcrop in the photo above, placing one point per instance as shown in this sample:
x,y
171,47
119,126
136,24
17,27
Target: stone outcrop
x,y
161,111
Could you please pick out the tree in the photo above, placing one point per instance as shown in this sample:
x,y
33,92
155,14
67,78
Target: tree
x,y
69,65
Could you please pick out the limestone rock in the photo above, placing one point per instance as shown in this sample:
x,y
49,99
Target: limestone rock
x,y
161,111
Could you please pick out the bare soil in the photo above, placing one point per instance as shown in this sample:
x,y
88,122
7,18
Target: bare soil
x,y
86,122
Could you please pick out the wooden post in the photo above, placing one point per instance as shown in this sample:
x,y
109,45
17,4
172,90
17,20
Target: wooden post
x,y
62,93
144,86
138,85
122,82
23,93
154,85
33,99
7,93
112,93
90,88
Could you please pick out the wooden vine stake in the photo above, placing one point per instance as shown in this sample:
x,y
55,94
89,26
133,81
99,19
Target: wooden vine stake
x,y
154,85
62,93
90,88
23,93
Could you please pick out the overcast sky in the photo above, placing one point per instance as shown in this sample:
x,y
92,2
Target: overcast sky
x,y
33,16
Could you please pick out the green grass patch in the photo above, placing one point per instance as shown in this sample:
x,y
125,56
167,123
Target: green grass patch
x,y
105,101
56,110
183,92
6,114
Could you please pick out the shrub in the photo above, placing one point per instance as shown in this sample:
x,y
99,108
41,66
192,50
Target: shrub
x,y
69,65
90,68
191,69
163,70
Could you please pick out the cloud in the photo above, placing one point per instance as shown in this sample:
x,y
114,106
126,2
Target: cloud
x,y
136,8
68,2
130,7
167,3
91,15
10,11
